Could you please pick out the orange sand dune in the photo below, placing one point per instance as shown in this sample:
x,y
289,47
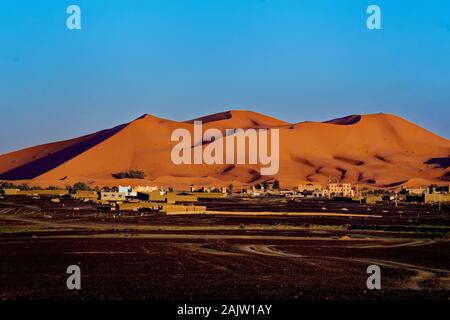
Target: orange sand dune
x,y
377,150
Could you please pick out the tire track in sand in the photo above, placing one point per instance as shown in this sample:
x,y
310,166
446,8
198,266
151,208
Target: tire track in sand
x,y
425,277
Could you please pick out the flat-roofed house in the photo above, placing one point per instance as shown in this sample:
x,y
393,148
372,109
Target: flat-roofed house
x,y
60,192
133,191
310,189
135,206
127,190
341,189
170,209
82,194
145,188
416,191
208,195
194,189
156,196
112,196
11,192
436,197
169,197
38,192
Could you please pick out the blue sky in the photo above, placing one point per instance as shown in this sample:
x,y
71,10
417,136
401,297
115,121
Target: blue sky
x,y
179,59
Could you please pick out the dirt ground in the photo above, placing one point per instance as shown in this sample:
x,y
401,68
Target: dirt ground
x,y
210,257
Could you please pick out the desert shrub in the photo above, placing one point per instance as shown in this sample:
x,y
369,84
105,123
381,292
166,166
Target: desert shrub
x,y
26,187
79,186
276,185
22,186
8,185
131,174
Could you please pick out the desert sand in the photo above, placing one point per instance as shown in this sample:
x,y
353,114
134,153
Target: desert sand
x,y
376,150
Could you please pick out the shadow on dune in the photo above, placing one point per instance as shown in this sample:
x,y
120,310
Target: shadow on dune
x,y
213,117
345,121
42,165
439,162
394,184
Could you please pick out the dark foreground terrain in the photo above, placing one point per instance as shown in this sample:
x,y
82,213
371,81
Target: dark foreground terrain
x,y
136,256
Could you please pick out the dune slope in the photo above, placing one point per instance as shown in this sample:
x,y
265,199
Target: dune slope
x,y
377,150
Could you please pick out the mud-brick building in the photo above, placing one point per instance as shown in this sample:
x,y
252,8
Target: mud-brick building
x,y
112,196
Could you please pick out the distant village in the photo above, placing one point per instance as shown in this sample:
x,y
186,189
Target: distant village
x,y
169,201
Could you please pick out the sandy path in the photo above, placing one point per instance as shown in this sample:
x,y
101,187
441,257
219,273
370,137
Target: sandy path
x,y
399,244
424,276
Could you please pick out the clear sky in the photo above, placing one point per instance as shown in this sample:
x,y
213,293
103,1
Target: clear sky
x,y
292,59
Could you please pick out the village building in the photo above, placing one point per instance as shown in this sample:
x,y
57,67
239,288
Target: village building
x,y
112,196
85,195
182,209
310,190
436,197
416,191
34,192
340,190
132,191
169,197
194,189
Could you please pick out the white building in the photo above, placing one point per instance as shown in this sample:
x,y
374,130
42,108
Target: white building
x,y
132,191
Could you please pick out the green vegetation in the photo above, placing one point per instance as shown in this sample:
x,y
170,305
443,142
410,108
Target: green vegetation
x,y
79,186
276,185
8,185
132,174
107,189
23,187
